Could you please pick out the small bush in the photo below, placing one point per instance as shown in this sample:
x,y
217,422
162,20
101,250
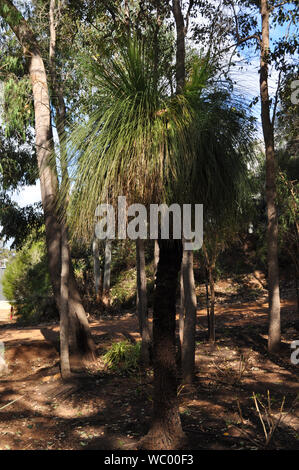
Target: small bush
x,y
26,282
123,357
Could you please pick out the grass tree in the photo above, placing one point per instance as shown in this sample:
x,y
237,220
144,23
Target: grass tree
x,y
146,144
133,146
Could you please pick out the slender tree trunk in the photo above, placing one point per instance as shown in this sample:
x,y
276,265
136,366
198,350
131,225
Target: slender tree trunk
x,y
44,142
190,305
212,306
272,226
80,337
181,314
82,340
156,256
297,293
166,429
142,303
64,308
188,344
207,300
96,268
180,45
107,274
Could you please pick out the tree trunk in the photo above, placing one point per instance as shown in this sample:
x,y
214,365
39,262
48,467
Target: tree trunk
x,y
166,430
190,305
181,316
64,308
96,268
207,300
80,337
180,45
212,306
142,303
156,256
44,142
272,226
107,274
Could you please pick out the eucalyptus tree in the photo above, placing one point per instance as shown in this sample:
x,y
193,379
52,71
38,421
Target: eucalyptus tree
x,y
48,176
239,31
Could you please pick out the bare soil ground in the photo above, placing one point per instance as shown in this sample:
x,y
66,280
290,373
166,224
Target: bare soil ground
x,y
101,410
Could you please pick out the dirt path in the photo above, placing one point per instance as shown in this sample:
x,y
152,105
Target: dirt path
x,y
106,411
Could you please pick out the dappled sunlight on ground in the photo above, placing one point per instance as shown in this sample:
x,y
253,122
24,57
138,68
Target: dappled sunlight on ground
x,y
101,410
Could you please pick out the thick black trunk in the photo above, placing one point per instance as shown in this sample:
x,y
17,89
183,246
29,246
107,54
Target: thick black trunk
x,y
166,429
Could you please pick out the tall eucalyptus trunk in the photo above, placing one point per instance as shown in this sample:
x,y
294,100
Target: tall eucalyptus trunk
x,y
211,332
189,322
107,274
44,150
64,307
156,255
274,337
142,309
188,318
96,268
43,136
80,336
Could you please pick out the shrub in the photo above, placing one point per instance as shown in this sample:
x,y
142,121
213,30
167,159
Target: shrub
x,y
26,282
123,357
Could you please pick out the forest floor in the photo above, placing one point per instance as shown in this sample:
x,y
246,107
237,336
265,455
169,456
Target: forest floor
x,y
102,410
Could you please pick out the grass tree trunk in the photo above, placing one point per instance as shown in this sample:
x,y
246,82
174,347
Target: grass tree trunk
x,y
107,274
190,305
142,303
166,429
274,337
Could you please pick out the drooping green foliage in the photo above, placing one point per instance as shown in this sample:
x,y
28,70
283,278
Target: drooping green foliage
x,y
154,147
